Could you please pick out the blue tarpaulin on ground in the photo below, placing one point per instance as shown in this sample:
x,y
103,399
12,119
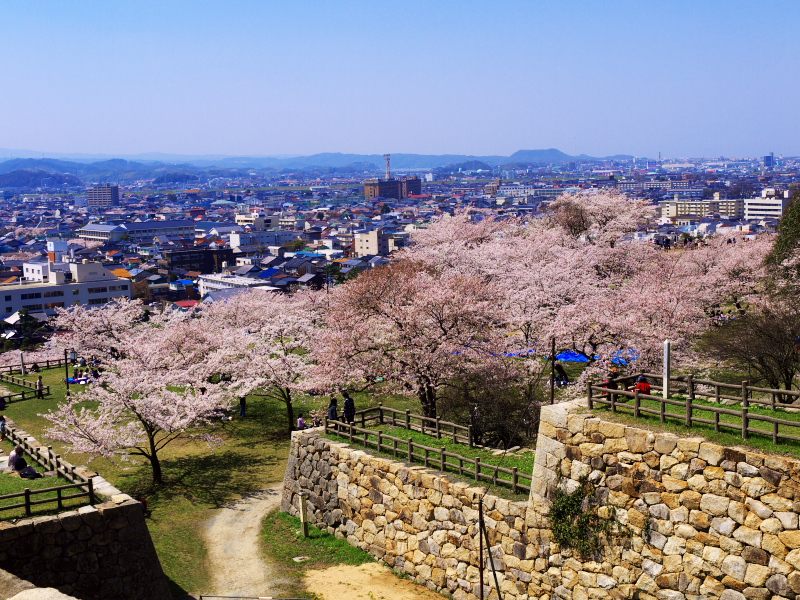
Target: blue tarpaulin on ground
x,y
572,356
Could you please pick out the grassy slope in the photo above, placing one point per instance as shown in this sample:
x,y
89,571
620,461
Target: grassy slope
x,y
282,540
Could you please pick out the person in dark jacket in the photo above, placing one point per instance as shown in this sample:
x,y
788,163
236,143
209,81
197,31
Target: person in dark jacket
x,y
333,410
349,408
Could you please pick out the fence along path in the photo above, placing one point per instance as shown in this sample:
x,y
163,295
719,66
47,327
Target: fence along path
x,y
720,402
439,458
383,415
48,460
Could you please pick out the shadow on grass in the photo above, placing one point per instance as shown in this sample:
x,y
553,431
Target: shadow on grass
x,y
213,479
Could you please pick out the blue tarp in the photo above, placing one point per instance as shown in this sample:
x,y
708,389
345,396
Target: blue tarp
x,y
572,356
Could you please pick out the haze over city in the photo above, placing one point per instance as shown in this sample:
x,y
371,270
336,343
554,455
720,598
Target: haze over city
x,y
267,78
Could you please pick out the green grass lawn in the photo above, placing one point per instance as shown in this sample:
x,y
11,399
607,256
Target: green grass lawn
x,y
282,540
522,461
760,431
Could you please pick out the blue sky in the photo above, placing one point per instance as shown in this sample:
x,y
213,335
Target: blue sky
x,y
257,77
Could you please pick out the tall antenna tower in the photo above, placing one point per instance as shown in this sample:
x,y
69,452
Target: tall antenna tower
x,y
388,159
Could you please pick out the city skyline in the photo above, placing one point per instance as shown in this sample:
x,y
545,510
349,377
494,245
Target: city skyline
x,y
263,79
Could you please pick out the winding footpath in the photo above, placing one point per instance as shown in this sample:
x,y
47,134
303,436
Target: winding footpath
x,y
234,553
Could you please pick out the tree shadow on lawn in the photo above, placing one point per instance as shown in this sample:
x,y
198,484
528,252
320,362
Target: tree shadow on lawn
x,y
212,479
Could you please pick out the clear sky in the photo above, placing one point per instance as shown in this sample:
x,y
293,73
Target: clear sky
x,y
687,78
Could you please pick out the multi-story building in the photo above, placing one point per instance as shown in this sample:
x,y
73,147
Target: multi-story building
x,y
204,260
48,286
215,282
257,221
392,188
377,242
138,231
724,207
770,205
260,240
102,196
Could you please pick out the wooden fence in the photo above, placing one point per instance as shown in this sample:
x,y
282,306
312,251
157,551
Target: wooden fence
x,y
383,415
43,364
28,501
31,385
49,461
20,396
439,458
718,400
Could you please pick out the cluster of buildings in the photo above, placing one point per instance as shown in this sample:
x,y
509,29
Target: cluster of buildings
x,y
183,245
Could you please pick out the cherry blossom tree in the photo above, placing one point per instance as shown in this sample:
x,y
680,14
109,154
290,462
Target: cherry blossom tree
x,y
266,342
409,325
154,387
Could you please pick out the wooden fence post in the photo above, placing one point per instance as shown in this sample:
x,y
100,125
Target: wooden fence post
x,y
380,440
91,491
478,469
636,403
689,400
28,502
443,459
471,438
326,425
303,522
380,412
589,394
438,429
410,450
745,410
408,419
514,479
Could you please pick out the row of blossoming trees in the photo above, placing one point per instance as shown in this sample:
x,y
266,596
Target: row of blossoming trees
x,y
475,299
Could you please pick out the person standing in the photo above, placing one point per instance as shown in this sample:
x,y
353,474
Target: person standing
x,y
349,408
301,422
39,387
333,410
242,406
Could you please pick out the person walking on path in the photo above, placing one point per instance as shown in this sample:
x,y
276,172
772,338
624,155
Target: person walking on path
x,y
349,408
562,379
39,387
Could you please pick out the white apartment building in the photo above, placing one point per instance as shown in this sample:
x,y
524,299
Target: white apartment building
x,y
48,286
377,242
770,205
259,240
218,281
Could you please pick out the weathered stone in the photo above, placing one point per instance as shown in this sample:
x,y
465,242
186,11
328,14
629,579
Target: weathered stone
x,y
713,504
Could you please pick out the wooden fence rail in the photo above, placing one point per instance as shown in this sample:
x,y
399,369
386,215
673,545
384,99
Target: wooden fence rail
x,y
619,400
48,363
28,502
438,458
31,385
383,415
49,461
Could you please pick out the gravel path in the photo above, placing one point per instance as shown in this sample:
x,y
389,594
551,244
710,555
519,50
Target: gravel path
x,y
234,550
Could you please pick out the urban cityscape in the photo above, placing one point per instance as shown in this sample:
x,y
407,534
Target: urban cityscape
x,y
398,301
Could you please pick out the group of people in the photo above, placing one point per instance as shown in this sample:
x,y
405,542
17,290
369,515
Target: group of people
x,y
348,412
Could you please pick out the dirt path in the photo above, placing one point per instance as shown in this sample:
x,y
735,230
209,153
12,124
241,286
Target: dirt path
x,y
371,581
234,550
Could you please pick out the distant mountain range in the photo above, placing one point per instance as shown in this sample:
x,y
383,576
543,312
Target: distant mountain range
x,y
24,172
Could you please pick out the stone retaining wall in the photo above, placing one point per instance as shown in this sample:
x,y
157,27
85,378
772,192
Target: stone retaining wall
x,y
702,521
94,552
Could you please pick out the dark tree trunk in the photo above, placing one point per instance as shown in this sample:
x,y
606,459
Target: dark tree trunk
x,y
155,463
287,399
427,398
